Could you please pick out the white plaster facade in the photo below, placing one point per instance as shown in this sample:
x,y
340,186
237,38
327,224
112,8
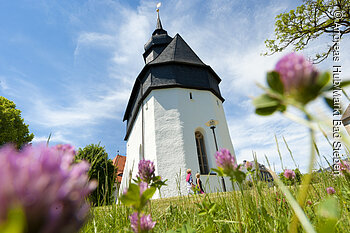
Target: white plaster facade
x,y
171,119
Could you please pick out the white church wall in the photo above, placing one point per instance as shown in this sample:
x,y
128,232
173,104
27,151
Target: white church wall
x,y
170,121
169,141
195,113
150,134
134,148
132,153
149,130
184,116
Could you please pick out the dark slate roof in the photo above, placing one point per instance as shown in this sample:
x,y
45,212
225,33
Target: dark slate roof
x,y
157,40
176,66
179,51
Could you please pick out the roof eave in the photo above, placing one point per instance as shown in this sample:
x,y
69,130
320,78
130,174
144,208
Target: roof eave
x,y
138,104
147,66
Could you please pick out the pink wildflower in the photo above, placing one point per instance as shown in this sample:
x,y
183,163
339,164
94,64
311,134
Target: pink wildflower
x,y
330,190
146,223
296,72
344,167
289,174
146,170
47,186
225,160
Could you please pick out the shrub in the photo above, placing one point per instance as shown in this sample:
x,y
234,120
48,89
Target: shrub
x,y
102,170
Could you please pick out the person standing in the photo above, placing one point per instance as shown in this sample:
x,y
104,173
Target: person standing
x,y
189,182
199,185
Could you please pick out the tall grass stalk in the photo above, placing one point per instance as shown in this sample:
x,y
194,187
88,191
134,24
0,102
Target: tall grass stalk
x,y
298,211
279,152
306,179
290,152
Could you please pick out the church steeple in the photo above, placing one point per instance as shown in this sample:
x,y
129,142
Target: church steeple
x,y
173,96
170,63
159,23
157,42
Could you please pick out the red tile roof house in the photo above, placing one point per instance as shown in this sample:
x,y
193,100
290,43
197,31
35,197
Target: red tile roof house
x,y
119,163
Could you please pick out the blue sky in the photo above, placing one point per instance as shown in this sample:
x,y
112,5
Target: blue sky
x,y
70,66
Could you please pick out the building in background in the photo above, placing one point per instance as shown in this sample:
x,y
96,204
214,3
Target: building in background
x,y
119,163
173,98
263,172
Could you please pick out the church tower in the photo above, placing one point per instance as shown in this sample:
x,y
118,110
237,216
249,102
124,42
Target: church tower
x,y
173,98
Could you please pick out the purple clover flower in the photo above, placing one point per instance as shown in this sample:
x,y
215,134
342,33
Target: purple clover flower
x,y
330,190
249,165
225,160
146,170
146,223
66,148
344,167
50,189
289,174
295,72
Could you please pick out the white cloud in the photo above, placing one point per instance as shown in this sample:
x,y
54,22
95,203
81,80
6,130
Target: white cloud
x,y
81,112
55,138
3,84
94,39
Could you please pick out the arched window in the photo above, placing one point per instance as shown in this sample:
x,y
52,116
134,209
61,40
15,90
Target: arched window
x,y
202,154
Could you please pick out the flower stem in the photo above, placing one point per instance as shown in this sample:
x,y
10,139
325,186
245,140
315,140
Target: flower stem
x,y
307,177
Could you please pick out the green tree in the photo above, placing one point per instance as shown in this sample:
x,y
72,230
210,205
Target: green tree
x,y
309,21
102,170
12,127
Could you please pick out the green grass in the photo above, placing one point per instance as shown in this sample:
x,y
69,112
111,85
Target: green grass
x,y
262,209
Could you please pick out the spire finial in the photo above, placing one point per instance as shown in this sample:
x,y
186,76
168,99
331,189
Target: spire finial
x,y
159,24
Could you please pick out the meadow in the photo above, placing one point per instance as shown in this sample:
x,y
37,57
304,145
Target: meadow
x,y
261,209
